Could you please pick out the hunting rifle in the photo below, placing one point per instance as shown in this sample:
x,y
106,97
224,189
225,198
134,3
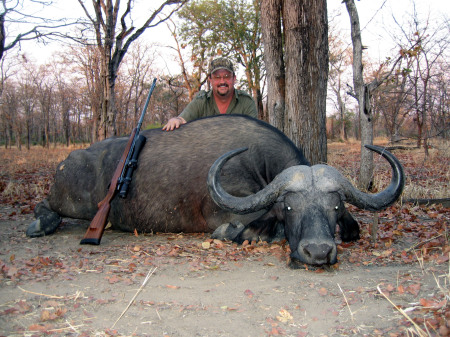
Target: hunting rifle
x,y
120,180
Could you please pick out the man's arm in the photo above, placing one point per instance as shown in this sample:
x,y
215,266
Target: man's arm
x,y
190,112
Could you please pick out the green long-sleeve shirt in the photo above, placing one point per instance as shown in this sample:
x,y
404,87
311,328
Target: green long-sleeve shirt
x,y
204,105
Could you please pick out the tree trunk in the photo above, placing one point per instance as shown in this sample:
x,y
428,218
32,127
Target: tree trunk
x,y
297,109
306,48
362,94
273,59
341,105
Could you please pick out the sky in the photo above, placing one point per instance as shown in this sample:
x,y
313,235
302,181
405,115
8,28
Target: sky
x,y
376,21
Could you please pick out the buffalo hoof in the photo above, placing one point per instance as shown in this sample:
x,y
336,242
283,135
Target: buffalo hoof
x,y
46,221
228,231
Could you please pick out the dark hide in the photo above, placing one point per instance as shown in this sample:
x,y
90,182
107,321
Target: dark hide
x,y
168,192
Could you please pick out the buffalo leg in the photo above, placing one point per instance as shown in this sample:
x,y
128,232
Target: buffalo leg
x,y
266,228
46,221
228,231
349,227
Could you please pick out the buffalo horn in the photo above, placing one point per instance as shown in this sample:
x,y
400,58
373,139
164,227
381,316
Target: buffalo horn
x,y
241,205
383,199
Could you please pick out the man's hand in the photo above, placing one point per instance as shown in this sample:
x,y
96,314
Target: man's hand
x,y
174,123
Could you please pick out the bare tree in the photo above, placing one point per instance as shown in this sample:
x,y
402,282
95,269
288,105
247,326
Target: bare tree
x,y
9,112
8,69
392,100
427,45
363,93
194,80
45,101
137,75
27,99
29,26
340,60
113,43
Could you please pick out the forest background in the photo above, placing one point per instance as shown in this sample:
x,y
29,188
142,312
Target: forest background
x,y
51,86
50,94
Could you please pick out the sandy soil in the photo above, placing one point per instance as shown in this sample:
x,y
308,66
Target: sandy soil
x,y
199,287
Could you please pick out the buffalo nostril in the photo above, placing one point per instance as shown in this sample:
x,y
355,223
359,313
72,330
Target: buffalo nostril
x,y
317,252
306,250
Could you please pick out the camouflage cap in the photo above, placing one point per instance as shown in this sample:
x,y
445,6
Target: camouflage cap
x,y
221,63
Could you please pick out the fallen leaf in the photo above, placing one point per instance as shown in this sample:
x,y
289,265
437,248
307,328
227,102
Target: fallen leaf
x,y
206,245
113,279
322,291
390,287
37,327
218,244
432,304
249,293
413,289
45,315
285,316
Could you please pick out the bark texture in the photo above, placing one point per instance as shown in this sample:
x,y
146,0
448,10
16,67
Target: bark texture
x,y
297,71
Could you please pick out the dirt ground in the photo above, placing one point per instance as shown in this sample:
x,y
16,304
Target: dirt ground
x,y
199,287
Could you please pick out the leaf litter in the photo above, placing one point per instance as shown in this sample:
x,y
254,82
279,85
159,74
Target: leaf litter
x,y
396,286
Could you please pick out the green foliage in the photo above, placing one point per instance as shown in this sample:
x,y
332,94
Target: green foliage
x,y
152,126
229,28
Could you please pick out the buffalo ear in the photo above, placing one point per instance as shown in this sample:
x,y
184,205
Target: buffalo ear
x,y
349,227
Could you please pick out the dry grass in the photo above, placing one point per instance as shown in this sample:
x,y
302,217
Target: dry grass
x,y
15,161
25,175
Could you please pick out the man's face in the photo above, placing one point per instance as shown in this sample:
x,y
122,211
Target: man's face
x,y
222,82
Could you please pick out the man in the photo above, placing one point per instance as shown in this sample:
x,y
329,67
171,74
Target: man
x,y
223,98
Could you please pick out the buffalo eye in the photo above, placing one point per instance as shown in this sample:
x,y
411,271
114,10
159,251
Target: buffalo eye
x,y
288,208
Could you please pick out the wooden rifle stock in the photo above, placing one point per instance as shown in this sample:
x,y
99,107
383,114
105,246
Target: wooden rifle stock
x,y
97,227
120,180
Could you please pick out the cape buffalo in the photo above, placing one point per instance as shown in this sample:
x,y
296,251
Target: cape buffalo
x,y
266,192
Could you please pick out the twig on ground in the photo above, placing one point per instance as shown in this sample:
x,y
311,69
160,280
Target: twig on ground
x,y
419,330
150,273
70,327
420,260
422,243
40,294
348,305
